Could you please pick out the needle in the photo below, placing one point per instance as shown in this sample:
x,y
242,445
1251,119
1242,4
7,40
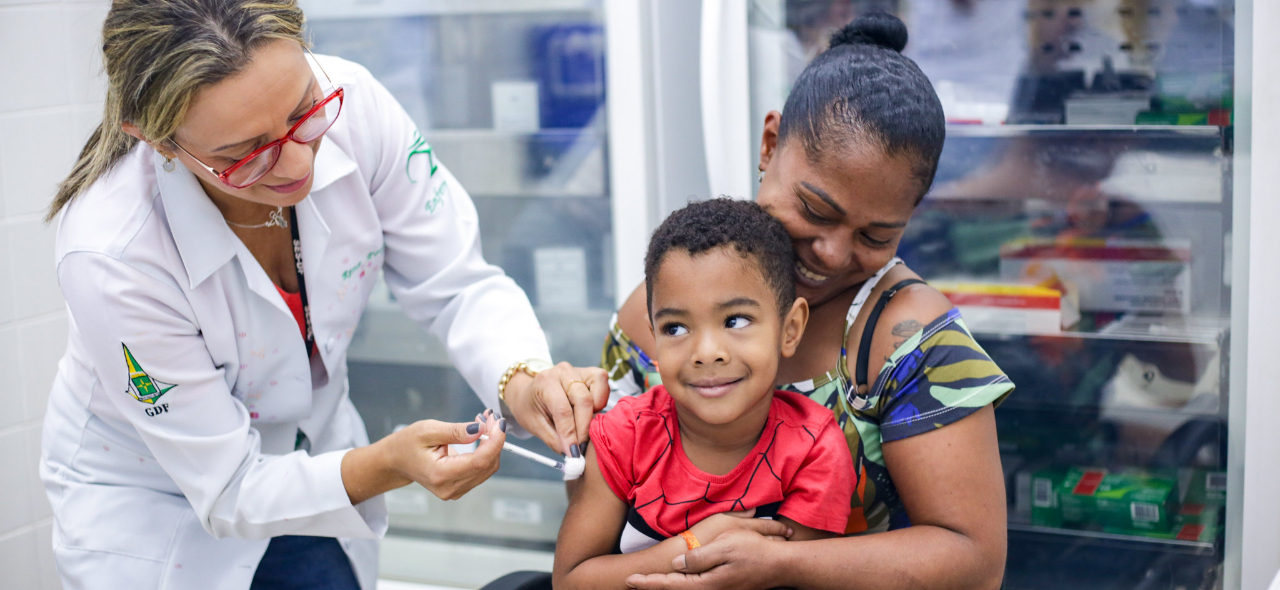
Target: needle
x,y
527,454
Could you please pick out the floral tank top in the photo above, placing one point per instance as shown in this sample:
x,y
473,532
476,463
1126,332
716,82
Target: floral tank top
x,y
938,376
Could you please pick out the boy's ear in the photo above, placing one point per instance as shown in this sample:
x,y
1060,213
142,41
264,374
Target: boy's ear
x,y
793,324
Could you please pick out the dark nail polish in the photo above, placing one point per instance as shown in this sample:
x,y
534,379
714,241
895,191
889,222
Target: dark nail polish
x,y
574,451
473,428
502,423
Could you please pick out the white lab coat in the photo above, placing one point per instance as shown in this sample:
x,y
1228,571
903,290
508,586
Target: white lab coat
x,y
184,491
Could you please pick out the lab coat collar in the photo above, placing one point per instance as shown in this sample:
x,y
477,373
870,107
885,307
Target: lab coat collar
x,y
203,238
331,163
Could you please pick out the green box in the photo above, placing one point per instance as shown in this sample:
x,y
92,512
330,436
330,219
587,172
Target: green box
x,y
1156,118
1204,496
1129,499
1045,509
1183,529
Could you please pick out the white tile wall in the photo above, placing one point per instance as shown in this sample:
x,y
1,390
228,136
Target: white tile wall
x,y
35,157
51,64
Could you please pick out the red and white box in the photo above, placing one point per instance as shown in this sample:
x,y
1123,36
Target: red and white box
x,y
1009,309
1110,274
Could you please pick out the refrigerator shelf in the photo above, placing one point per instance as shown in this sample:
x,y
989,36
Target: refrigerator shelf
x,y
1114,540
320,10
1095,410
387,336
1123,331
1135,131
552,162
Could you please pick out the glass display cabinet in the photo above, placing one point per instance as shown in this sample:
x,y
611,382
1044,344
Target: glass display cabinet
x,y
1081,219
510,95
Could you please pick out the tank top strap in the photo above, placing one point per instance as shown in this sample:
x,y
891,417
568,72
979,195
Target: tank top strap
x,y
861,298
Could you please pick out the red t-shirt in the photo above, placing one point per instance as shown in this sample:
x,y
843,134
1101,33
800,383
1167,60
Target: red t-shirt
x,y
801,468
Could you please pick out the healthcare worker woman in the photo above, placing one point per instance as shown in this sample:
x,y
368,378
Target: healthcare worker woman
x,y
217,241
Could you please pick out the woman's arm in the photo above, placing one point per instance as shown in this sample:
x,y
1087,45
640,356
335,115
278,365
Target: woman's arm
x,y
420,453
591,527
435,269
950,481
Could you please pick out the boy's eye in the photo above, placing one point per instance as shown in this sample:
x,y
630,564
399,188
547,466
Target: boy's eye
x,y
674,330
737,322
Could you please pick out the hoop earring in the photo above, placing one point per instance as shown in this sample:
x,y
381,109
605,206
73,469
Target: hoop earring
x,y
168,165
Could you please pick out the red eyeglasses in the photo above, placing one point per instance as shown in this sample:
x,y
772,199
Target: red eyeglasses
x,y
253,167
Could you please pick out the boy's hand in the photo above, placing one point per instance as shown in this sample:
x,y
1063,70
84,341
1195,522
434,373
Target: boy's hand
x,y
715,525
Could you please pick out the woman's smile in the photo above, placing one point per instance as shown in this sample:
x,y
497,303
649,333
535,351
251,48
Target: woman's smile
x,y
808,277
292,187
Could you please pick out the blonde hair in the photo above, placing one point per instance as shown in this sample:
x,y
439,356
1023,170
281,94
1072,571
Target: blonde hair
x,y
157,55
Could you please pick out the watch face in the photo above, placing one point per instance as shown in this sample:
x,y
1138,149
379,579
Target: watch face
x,y
535,366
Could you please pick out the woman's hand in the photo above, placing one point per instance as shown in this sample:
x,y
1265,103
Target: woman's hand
x,y
420,453
715,525
557,405
737,559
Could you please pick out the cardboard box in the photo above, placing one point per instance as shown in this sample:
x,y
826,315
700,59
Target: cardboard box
x,y
1111,275
1006,308
1130,500
1045,509
1183,529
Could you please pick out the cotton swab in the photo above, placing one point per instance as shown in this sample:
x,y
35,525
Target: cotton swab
x,y
572,468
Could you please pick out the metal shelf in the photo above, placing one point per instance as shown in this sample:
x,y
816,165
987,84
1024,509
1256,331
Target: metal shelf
x,y
319,10
1135,328
1138,131
1145,328
386,335
1118,541
495,163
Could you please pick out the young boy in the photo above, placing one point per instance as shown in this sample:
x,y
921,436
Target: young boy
x,y
715,444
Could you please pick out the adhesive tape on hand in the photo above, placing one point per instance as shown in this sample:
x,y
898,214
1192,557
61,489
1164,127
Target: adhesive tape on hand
x,y
573,468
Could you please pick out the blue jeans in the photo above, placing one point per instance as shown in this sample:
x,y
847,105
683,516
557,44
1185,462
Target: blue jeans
x,y
304,563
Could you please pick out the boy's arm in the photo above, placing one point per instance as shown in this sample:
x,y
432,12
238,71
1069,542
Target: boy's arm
x,y
804,533
589,533
593,523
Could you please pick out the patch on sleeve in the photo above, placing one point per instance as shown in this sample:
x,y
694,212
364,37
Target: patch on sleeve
x,y
141,386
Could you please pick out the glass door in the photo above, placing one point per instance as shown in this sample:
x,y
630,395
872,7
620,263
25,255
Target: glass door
x,y
510,95
1081,219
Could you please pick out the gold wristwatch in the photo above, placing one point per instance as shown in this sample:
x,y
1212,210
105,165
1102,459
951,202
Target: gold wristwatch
x,y
531,367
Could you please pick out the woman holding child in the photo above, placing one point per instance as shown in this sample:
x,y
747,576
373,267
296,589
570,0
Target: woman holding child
x,y
842,168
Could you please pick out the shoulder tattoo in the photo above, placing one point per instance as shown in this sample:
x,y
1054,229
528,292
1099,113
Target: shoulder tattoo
x,y
906,328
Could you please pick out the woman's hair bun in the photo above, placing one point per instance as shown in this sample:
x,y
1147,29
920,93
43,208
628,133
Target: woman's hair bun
x,y
876,28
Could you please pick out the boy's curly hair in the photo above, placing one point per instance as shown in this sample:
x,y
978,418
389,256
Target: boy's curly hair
x,y
705,225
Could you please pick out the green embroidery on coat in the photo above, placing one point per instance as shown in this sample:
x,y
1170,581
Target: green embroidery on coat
x,y
419,146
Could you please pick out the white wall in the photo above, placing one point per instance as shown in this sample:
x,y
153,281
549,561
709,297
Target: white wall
x,y
52,95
